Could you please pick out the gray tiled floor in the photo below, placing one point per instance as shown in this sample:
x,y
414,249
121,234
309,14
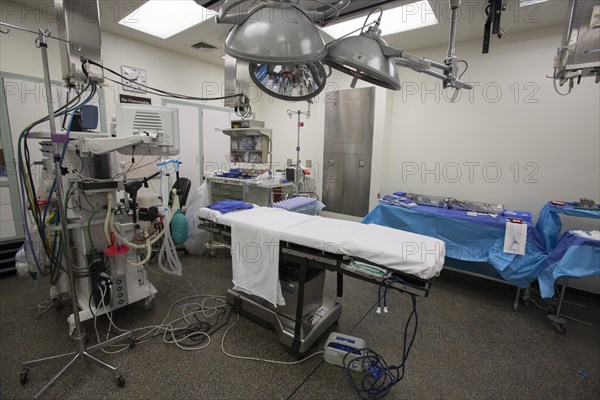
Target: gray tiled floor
x,y
470,345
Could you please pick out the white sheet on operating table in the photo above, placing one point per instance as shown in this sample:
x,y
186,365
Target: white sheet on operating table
x,y
255,250
325,234
414,254
256,234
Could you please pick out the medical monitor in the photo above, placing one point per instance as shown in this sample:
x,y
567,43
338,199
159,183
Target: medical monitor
x,y
158,126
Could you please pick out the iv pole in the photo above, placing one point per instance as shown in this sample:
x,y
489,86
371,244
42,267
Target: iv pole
x,y
300,125
58,140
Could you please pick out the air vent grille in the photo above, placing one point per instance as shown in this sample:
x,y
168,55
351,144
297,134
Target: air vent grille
x,y
203,46
146,121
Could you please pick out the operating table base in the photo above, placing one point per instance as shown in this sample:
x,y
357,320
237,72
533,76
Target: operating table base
x,y
82,354
314,325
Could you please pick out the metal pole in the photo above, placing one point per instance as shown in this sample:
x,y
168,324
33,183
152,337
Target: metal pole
x,y
452,45
298,157
297,177
43,44
454,4
57,141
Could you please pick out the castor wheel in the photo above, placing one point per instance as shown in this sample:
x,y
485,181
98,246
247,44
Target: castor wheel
x,y
560,328
57,304
148,304
120,381
24,376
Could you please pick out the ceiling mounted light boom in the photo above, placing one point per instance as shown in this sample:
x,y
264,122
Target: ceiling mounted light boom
x,y
368,57
279,40
276,32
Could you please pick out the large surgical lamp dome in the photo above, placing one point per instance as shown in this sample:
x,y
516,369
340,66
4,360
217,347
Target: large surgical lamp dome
x,y
363,58
290,82
277,34
281,43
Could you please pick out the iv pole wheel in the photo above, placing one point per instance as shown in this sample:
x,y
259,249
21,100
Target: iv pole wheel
x,y
24,376
120,381
57,303
148,303
559,328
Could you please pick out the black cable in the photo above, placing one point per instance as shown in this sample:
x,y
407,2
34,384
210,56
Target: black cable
x,y
378,378
90,302
198,331
69,106
244,111
164,92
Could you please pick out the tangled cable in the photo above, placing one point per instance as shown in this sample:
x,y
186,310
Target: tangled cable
x,y
377,378
191,331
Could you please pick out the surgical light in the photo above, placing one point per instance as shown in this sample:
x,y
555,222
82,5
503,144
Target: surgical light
x,y
281,43
368,57
273,32
363,58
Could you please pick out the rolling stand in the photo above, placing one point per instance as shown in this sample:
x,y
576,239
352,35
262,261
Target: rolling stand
x,y
81,352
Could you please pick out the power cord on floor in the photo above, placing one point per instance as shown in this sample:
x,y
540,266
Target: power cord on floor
x,y
260,359
193,335
377,378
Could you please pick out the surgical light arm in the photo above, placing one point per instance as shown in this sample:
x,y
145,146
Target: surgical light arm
x,y
423,65
449,69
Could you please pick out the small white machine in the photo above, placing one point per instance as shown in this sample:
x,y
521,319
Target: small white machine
x,y
341,348
158,128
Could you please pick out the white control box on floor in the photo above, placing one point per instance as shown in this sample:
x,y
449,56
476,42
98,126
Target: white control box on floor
x,y
339,345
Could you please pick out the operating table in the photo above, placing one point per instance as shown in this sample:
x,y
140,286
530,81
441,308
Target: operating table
x,y
298,250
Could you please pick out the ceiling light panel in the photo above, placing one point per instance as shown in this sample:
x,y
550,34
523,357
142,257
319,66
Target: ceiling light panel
x,y
164,19
407,17
525,3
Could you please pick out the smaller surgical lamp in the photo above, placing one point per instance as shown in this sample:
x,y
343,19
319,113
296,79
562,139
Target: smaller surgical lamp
x,y
368,57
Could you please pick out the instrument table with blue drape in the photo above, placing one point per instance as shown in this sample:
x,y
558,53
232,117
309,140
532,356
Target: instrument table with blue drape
x,y
468,237
549,224
577,255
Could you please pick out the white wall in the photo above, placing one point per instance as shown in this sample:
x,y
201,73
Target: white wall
x,y
544,145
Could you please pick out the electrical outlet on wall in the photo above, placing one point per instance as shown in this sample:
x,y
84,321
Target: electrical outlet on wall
x,y
137,75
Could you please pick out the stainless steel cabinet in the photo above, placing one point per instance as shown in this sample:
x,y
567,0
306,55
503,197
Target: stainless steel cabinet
x,y
263,195
349,118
